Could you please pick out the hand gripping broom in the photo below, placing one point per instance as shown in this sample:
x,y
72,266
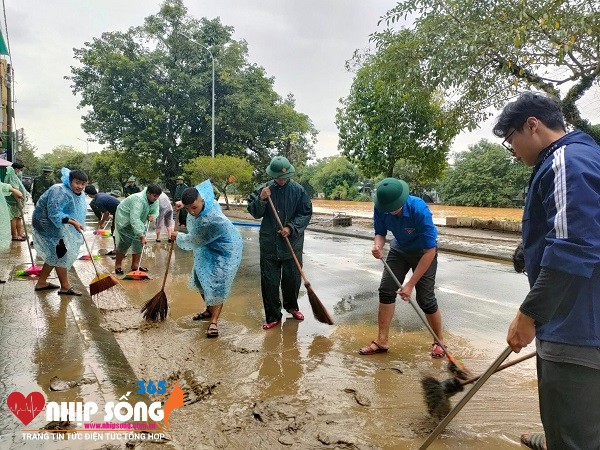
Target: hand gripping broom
x,y
100,282
318,309
457,368
437,394
33,269
157,307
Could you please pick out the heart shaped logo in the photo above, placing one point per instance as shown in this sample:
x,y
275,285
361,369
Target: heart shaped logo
x,y
26,408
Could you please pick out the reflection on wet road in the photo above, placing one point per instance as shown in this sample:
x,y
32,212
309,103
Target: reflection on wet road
x,y
304,384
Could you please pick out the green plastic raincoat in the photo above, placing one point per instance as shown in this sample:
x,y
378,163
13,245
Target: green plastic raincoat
x,y
13,205
131,217
5,236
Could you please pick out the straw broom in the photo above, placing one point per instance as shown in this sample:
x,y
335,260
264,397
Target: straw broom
x,y
157,307
437,394
101,282
318,309
457,368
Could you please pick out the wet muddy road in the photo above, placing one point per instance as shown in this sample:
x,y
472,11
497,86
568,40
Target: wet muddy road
x,y
303,385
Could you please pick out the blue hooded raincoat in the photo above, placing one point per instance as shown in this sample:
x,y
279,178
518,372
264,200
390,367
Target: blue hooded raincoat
x,y
52,207
217,247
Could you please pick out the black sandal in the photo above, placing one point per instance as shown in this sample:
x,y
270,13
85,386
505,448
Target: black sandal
x,y
212,331
202,315
119,271
70,291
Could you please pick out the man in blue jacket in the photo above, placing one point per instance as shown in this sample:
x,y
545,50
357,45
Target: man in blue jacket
x,y
413,247
561,244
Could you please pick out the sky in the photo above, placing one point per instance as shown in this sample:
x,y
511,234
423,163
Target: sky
x,y
302,44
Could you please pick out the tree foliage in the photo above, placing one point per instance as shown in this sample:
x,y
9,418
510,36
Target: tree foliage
x,y
149,90
389,116
335,172
222,171
68,156
486,175
484,53
112,167
26,156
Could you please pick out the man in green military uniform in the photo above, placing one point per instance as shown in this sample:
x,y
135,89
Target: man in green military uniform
x,y
182,213
131,187
42,183
276,262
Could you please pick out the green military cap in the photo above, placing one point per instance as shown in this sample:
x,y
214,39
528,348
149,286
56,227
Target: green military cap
x,y
115,193
280,167
180,177
47,168
391,194
131,178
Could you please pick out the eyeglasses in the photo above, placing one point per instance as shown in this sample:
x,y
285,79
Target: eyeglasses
x,y
507,144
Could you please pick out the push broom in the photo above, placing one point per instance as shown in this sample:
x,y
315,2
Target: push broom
x,y
318,309
33,270
458,369
100,282
139,274
437,394
157,307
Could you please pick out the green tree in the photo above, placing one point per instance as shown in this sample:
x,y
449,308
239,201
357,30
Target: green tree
x,y
68,156
336,172
485,175
148,91
222,170
388,116
112,167
26,156
483,53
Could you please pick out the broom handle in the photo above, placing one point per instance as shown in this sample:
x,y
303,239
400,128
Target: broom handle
x,y
88,249
502,367
144,246
168,264
288,242
463,401
25,229
423,319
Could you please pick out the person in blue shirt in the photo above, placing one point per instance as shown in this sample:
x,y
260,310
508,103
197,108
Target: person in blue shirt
x,y
414,246
105,207
561,247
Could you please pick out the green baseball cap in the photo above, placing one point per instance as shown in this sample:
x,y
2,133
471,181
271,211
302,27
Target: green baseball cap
x,y
391,194
280,167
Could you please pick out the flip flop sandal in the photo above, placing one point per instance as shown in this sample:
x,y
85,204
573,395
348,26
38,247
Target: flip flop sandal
x,y
296,314
212,331
48,287
70,291
368,350
202,315
119,271
536,441
269,325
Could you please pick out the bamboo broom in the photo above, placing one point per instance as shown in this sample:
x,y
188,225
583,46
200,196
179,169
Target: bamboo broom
x,y
157,307
318,309
101,282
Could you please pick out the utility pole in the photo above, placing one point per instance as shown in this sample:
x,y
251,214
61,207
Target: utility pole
x,y
9,114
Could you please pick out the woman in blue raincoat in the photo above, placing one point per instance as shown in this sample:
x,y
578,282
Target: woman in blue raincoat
x,y
217,247
5,236
58,221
